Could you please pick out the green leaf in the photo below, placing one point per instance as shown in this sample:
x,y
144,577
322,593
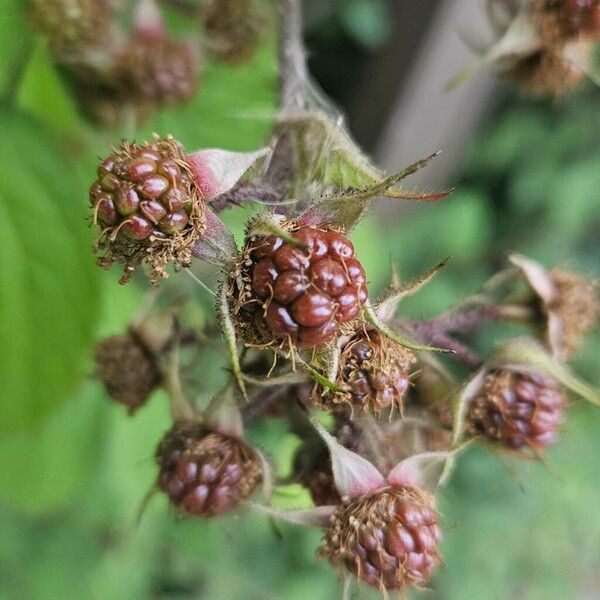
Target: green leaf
x,y
42,94
49,296
233,108
15,41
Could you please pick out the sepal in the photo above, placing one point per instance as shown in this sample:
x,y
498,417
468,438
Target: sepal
x,y
354,475
216,171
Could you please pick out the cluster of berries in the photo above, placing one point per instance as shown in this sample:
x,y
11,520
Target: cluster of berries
x,y
117,72
297,289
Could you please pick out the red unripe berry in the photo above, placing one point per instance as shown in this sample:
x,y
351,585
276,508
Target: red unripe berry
x,y
301,293
388,539
148,206
518,410
203,472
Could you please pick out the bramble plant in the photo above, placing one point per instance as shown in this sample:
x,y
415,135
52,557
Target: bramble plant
x,y
401,397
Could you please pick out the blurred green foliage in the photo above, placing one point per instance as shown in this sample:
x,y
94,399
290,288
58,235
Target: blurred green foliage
x,y
75,468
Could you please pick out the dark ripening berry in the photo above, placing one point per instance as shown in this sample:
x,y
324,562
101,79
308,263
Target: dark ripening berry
x,y
300,294
203,472
158,71
147,206
517,410
127,369
374,374
234,27
73,26
388,539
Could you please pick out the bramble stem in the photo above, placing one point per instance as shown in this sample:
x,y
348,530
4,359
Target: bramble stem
x,y
293,73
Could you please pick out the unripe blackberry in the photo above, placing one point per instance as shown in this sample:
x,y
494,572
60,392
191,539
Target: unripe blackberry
x,y
374,370
157,71
301,295
517,410
127,369
73,26
389,539
203,472
233,27
148,206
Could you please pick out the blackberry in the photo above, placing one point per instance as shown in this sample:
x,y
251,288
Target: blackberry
x,y
298,294
203,472
388,539
375,372
157,72
127,369
517,410
73,26
234,27
148,206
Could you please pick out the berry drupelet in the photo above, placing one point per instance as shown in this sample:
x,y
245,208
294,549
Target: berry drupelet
x,y
298,293
374,372
388,539
517,410
205,473
148,206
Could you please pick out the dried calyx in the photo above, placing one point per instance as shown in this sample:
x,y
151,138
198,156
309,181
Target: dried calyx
x,y
296,289
567,304
204,472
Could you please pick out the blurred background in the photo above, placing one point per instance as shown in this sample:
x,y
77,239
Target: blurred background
x,y
74,468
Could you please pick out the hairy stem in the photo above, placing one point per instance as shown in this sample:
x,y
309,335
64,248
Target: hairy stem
x,y
293,73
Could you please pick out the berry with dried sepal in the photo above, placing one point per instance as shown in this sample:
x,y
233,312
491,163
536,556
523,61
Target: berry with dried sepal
x,y
234,27
561,20
577,304
148,206
517,410
206,473
301,292
546,73
128,370
389,539
73,26
374,373
566,304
